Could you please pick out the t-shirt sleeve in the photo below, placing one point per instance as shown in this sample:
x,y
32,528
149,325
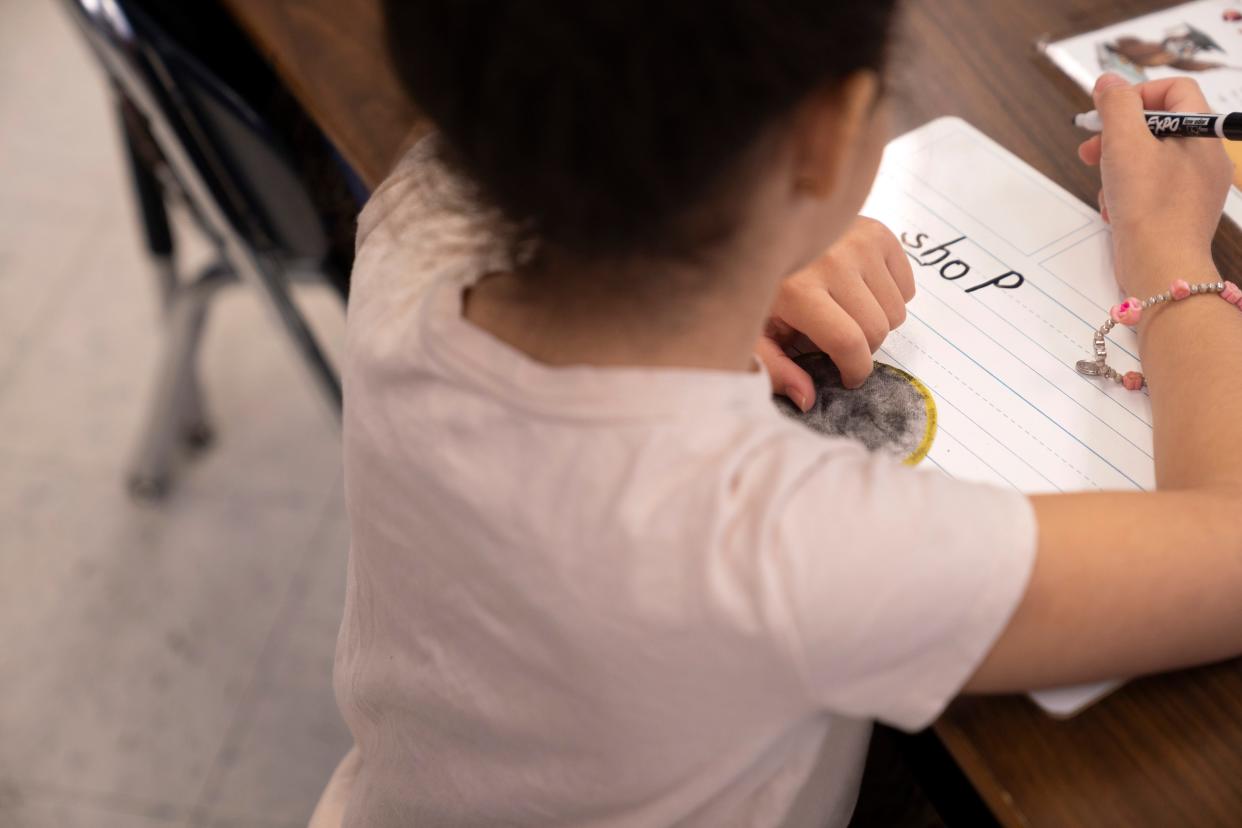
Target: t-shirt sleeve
x,y
899,581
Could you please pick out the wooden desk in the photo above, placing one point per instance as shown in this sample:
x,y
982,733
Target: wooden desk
x,y
1161,752
331,53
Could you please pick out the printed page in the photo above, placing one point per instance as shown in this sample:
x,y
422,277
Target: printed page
x,y
1014,276
1201,40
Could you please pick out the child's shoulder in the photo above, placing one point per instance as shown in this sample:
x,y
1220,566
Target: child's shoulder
x,y
420,226
424,218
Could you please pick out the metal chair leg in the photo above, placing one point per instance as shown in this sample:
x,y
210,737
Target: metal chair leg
x,y
176,401
196,431
194,428
252,266
170,158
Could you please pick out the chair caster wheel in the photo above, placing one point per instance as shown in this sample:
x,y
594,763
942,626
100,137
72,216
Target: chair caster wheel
x,y
148,489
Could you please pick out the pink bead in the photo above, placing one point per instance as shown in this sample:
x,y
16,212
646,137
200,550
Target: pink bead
x,y
1133,381
1180,289
1128,312
1232,293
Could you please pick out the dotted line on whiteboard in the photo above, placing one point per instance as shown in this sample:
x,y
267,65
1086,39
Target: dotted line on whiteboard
x,y
1054,327
992,405
1050,324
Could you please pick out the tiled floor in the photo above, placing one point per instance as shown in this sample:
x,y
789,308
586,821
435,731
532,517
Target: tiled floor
x,y
168,665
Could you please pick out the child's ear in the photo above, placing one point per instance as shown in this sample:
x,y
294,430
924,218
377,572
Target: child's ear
x,y
830,130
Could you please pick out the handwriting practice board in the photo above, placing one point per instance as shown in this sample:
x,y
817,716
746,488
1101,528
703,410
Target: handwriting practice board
x,y
1014,276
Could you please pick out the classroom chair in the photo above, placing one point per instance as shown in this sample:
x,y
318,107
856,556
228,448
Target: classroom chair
x,y
192,138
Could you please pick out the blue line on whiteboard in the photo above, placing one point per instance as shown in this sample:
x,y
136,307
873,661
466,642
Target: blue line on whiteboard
x,y
943,470
941,430
1079,377
990,435
1041,376
1034,407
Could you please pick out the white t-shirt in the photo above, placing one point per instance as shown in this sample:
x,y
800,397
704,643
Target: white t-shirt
x,y
623,596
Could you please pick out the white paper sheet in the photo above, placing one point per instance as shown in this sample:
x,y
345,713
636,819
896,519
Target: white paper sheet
x,y
1014,276
1201,40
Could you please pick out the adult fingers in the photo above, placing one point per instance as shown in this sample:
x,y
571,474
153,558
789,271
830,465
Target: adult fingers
x,y
1104,209
787,378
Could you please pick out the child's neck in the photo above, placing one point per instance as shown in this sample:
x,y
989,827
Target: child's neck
x,y
593,323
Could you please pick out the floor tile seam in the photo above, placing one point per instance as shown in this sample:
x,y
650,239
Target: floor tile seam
x,y
215,492
111,802
243,715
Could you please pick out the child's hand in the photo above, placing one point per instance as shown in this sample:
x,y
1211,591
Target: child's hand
x,y
1163,197
845,302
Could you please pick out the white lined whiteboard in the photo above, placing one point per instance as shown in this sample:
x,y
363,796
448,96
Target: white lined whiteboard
x,y
1014,275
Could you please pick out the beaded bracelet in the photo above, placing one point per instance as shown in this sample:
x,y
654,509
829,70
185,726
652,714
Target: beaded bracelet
x,y
1131,310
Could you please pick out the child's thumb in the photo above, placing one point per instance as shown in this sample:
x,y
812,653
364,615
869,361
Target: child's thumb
x,y
1121,109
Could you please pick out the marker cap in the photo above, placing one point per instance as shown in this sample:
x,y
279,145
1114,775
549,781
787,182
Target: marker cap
x,y
1090,121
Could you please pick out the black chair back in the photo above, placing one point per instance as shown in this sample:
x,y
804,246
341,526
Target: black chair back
x,y
245,166
236,175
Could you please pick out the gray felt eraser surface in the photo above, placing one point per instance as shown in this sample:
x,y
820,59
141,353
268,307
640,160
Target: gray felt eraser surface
x,y
891,412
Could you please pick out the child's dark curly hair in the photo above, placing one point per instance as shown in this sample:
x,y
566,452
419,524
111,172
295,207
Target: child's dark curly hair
x,y
615,128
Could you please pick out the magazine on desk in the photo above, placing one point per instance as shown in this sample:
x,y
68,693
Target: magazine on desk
x,y
1201,40
1014,275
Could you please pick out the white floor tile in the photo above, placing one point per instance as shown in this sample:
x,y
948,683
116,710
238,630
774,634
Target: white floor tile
x,y
78,392
38,252
58,135
293,736
23,808
131,633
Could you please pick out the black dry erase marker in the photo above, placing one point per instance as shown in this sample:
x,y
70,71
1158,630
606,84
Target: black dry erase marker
x,y
1177,124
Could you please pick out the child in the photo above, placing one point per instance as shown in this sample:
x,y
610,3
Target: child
x,y
595,577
